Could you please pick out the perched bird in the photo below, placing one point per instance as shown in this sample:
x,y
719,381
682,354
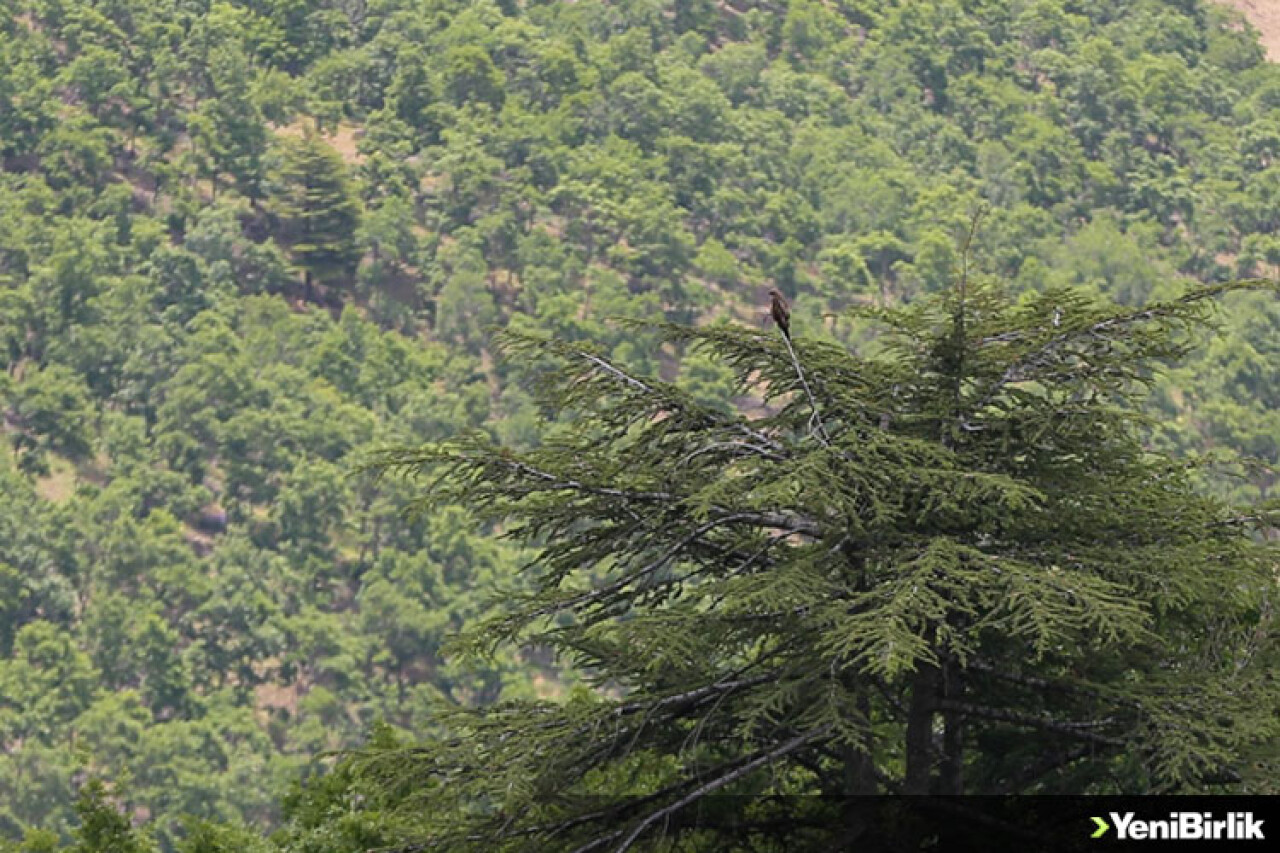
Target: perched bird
x,y
781,312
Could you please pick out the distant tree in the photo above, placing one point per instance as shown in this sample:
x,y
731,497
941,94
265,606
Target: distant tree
x,y
952,567
316,209
472,77
104,828
311,504
97,74
47,682
234,261
202,836
50,410
387,230
230,128
26,106
76,154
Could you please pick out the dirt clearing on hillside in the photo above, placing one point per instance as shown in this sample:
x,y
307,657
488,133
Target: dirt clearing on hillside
x,y
1265,15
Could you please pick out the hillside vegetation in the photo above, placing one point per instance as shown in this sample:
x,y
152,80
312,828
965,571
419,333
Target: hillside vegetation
x,y
245,243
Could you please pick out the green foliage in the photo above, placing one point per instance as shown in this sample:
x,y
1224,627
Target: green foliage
x,y
199,591
51,411
962,535
103,828
316,208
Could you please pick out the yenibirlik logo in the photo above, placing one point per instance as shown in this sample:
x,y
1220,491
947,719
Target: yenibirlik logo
x,y
1183,826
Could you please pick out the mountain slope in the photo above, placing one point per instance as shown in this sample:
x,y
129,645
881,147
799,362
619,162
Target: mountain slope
x,y
198,594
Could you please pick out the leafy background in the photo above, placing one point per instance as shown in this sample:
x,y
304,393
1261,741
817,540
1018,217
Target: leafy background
x,y
244,243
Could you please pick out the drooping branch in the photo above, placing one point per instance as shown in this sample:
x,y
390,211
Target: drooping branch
x,y
760,760
1077,730
692,698
631,577
791,522
1043,767
1037,683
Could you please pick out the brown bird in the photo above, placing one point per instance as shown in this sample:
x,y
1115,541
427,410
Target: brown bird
x,y
781,312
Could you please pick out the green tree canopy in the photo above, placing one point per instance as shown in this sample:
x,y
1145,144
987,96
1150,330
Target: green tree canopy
x,y
316,208
949,565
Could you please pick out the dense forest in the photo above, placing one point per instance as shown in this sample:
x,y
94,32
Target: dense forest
x,y
248,245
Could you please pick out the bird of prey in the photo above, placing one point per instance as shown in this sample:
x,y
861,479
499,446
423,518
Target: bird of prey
x,y
781,312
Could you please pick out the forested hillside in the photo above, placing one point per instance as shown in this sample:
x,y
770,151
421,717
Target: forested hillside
x,y
246,243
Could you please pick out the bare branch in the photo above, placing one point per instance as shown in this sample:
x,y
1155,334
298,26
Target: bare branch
x,y
816,426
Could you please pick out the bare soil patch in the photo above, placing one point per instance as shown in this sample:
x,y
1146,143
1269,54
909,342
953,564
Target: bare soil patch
x,y
1265,15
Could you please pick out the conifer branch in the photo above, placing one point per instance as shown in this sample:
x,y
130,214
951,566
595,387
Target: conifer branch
x,y
620,375
1120,321
816,426
1078,730
577,486
759,760
638,384
1045,684
692,698
1045,353
1046,765
605,591
793,523
730,445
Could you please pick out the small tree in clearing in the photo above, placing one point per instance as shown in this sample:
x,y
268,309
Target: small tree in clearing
x,y
316,210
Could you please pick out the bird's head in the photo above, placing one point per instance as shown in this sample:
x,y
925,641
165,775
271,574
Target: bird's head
x,y
775,293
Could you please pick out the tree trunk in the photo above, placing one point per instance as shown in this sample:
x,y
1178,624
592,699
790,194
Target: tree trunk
x,y
924,700
859,767
951,775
